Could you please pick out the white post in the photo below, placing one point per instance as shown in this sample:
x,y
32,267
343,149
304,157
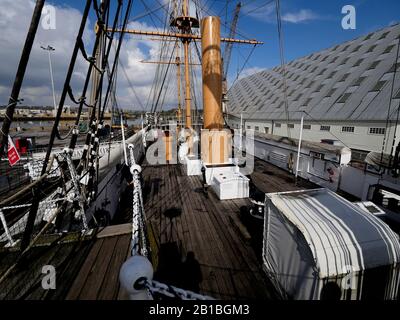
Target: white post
x,y
6,230
299,148
52,85
141,117
50,49
123,141
241,132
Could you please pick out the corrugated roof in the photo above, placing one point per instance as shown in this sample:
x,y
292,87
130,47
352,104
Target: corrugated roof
x,y
313,146
319,82
339,233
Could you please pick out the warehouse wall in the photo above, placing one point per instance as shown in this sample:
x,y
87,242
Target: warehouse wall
x,y
360,139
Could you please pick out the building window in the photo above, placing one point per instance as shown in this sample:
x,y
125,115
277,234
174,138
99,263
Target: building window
x,y
357,48
316,155
344,61
397,96
319,88
333,60
257,128
277,125
325,128
332,74
368,36
388,49
394,66
290,125
372,48
358,62
344,97
345,76
307,126
378,86
373,65
310,84
324,59
298,97
307,102
359,81
379,131
345,48
248,127
266,129
348,129
330,93
383,36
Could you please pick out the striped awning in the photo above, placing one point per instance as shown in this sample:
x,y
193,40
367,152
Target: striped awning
x,y
341,236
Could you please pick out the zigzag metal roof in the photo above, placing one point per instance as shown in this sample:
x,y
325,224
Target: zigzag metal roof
x,y
351,81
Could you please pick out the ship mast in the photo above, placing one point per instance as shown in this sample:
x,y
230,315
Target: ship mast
x,y
185,24
187,78
178,75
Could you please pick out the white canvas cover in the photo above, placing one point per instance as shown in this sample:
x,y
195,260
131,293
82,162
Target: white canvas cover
x,y
315,236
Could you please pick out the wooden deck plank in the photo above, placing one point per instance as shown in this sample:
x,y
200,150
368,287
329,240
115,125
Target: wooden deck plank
x,y
80,280
229,266
97,273
28,272
110,286
116,230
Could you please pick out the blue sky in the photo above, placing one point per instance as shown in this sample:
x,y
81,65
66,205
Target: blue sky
x,y
308,26
318,25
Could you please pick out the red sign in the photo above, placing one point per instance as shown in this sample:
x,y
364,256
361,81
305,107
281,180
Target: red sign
x,y
13,156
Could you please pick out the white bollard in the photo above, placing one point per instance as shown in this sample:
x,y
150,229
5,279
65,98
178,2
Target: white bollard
x,y
133,272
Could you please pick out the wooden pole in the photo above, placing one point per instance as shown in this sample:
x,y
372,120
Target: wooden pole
x,y
188,36
212,73
188,99
178,76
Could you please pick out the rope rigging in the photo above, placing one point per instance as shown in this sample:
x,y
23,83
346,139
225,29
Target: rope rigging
x,y
283,65
90,154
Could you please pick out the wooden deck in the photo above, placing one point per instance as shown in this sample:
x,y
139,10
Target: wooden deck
x,y
210,228
86,268
182,221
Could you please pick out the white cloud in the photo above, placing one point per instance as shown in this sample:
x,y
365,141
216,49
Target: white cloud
x,y
245,73
268,14
301,16
250,71
264,14
37,77
36,89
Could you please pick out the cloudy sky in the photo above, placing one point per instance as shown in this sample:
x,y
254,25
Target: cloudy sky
x,y
308,26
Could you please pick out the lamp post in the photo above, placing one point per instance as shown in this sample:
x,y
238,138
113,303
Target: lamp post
x,y
299,147
49,49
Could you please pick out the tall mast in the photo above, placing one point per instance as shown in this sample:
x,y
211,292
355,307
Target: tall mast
x,y
187,77
178,76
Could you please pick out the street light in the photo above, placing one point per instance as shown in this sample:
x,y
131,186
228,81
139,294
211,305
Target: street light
x,y
49,49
